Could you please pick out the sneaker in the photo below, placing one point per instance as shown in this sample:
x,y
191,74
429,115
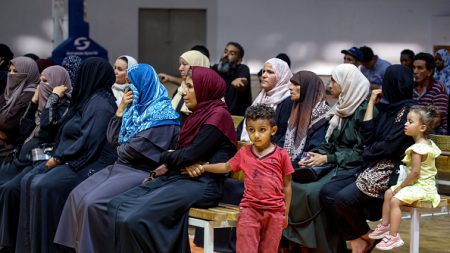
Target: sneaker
x,y
389,242
379,232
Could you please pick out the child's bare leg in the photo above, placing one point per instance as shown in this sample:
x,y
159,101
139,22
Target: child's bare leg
x,y
385,220
396,215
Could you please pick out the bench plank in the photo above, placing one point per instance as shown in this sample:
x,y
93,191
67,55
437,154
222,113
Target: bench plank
x,y
219,213
427,203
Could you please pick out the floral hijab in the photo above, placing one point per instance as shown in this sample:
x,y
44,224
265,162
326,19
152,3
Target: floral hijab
x,y
443,76
151,105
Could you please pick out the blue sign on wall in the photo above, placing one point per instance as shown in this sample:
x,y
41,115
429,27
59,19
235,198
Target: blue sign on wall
x,y
78,42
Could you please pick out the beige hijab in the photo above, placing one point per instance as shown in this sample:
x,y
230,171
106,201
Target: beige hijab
x,y
354,90
194,58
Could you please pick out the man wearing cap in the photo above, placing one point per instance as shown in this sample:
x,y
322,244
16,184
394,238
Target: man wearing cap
x,y
353,56
373,67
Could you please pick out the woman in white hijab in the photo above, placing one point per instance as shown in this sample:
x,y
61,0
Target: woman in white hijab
x,y
342,148
276,76
121,66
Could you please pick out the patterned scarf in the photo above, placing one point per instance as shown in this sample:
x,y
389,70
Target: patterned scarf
x,y
150,107
309,110
72,64
443,76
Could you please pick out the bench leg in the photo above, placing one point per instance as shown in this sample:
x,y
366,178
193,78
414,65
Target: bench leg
x,y
414,231
208,238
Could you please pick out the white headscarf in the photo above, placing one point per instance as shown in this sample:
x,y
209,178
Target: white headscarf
x,y
118,89
354,90
277,94
280,92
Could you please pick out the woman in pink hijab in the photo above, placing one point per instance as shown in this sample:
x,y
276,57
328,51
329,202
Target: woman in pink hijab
x,y
276,76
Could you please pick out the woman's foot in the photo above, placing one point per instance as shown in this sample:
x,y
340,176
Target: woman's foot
x,y
358,245
371,245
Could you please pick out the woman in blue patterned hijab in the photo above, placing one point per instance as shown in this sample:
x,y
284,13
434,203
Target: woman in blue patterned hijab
x,y
72,64
151,105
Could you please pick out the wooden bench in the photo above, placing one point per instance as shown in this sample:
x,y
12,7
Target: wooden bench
x,y
237,120
222,216
416,209
443,163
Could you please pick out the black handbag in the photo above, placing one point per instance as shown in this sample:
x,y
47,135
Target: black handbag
x,y
311,174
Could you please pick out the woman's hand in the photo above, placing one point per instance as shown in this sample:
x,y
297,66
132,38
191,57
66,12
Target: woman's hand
x,y
286,221
315,159
164,78
239,83
3,136
35,97
126,101
52,162
194,170
60,90
376,96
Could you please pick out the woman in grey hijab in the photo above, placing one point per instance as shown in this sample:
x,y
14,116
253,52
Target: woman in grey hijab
x,y
23,78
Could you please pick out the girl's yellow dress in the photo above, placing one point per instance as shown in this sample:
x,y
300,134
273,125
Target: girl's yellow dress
x,y
425,186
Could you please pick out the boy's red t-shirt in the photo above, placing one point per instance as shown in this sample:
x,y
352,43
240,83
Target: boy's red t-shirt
x,y
263,177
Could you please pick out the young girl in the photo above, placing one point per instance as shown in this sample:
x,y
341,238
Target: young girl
x,y
420,183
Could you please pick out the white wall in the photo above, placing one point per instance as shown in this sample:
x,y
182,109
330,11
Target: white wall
x,y
311,32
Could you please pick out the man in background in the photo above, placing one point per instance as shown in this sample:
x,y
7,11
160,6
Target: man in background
x,y
373,67
238,95
353,56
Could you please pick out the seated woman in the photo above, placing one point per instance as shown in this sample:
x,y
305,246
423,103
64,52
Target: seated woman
x,y
121,66
187,59
44,117
145,125
153,217
81,149
385,145
275,93
342,147
72,64
306,130
23,78
41,119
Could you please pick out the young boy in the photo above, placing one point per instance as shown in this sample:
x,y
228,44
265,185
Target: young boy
x,y
267,181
